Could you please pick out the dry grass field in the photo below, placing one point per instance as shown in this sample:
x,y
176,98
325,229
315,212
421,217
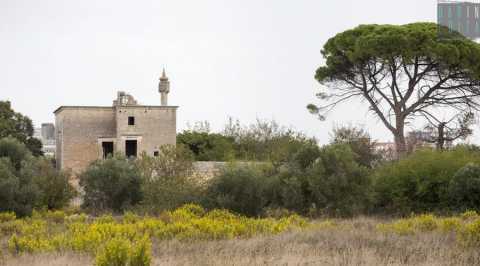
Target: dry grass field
x,y
351,242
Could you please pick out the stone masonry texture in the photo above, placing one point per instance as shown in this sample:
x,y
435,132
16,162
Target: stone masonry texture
x,y
80,131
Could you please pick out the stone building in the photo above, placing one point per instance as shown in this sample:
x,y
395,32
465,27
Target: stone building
x,y
88,133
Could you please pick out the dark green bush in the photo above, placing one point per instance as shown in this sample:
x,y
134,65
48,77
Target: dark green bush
x,y
288,190
15,151
464,188
111,184
337,184
330,181
54,185
240,188
327,181
359,141
265,141
207,146
304,157
167,180
19,195
419,182
28,182
20,127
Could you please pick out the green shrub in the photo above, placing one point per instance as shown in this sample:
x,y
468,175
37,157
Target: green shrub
x,y
111,184
17,193
19,127
420,182
359,141
287,190
207,146
15,151
239,188
336,184
28,182
304,157
54,185
464,188
167,180
265,141
327,181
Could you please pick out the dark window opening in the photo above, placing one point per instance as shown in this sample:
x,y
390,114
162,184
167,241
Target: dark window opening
x,y
131,121
131,148
155,153
107,148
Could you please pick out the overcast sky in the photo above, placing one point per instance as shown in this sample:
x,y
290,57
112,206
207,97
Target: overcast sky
x,y
239,58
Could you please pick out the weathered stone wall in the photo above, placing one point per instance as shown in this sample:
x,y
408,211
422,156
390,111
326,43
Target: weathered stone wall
x,y
154,126
78,130
207,170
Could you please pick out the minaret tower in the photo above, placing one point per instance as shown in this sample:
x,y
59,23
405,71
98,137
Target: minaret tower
x,y
164,88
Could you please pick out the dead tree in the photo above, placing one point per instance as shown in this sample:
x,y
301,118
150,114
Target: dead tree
x,y
441,132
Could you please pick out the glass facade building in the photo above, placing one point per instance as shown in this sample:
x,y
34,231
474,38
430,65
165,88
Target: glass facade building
x,y
460,16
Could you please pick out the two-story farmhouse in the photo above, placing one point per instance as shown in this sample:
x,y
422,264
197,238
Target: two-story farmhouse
x,y
88,133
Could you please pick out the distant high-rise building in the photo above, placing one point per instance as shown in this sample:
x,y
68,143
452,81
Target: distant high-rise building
x,y
48,131
46,134
461,16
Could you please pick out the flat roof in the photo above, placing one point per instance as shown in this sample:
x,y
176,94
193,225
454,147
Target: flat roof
x,y
113,107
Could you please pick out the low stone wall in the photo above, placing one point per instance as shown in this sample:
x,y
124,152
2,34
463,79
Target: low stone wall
x,y
201,169
207,170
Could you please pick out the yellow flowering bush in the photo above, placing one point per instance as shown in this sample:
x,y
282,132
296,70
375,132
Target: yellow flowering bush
x,y
469,215
79,218
450,224
47,231
466,226
55,216
420,223
425,222
7,216
115,253
127,240
401,227
141,252
470,234
122,252
11,227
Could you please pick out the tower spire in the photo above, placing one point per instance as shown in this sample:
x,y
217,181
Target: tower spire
x,y
164,88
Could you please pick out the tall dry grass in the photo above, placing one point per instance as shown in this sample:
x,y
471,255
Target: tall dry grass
x,y
353,242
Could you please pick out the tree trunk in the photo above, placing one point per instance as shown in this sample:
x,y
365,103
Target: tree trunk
x,y
399,137
441,137
400,144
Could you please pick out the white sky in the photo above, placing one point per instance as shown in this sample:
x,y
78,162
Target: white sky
x,y
239,58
